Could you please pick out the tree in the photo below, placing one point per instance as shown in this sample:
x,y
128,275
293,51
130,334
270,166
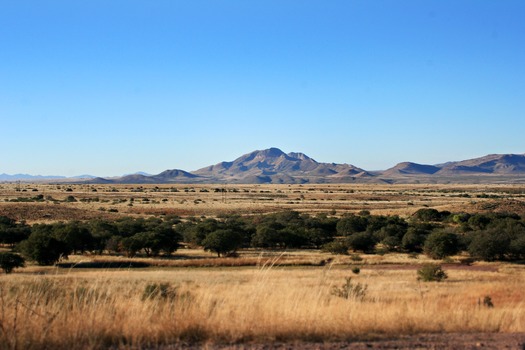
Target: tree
x,y
132,245
9,261
101,231
414,239
489,245
430,214
351,224
363,241
440,244
75,234
11,232
222,242
42,247
268,235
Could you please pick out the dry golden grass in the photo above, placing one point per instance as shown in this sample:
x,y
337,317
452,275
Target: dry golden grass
x,y
94,309
111,201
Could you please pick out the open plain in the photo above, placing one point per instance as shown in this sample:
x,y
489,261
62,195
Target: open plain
x,y
45,202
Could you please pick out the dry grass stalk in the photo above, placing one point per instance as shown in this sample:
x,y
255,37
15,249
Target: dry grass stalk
x,y
96,309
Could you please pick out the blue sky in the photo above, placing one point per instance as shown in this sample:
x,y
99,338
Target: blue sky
x,y
113,87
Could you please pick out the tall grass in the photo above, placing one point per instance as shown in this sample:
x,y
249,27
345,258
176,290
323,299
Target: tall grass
x,y
91,310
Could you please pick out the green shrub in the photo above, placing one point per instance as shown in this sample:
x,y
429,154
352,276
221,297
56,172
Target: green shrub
x,y
158,291
336,247
350,290
431,273
356,257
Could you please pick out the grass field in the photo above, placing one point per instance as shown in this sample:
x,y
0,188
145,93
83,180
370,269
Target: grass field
x,y
261,296
76,308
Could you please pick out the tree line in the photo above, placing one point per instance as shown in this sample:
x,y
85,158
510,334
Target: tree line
x,y
492,236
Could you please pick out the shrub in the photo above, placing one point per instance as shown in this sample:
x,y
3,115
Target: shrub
x,y
431,273
70,199
9,261
336,247
158,291
350,290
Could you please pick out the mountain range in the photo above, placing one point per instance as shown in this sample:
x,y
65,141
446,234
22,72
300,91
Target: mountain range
x,y
276,167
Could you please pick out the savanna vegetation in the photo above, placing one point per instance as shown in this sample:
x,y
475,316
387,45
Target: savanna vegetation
x,y
438,234
357,274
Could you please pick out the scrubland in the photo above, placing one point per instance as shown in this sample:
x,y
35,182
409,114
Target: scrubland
x,y
44,202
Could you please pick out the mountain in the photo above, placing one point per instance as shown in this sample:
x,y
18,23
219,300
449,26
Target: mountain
x,y
27,177
494,164
167,176
274,166
493,168
409,168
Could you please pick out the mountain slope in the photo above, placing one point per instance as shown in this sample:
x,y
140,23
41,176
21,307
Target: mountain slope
x,y
496,164
409,168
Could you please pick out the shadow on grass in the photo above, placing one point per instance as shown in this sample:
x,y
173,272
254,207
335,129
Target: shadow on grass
x,y
104,265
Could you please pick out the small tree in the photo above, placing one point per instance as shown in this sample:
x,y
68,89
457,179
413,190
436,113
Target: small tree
x,y
222,242
9,261
42,247
363,241
440,244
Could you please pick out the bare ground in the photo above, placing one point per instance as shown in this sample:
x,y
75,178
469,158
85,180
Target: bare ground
x,y
453,341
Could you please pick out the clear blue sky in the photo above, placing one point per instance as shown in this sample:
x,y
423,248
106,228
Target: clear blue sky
x,y
112,87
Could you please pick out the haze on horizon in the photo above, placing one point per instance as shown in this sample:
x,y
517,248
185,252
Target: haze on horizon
x,y
115,87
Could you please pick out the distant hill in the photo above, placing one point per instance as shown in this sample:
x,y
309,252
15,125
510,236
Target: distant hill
x,y
273,166
495,164
27,177
408,168
493,168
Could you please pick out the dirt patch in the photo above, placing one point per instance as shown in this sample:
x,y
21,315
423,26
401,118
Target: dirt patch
x,y
462,267
454,341
39,212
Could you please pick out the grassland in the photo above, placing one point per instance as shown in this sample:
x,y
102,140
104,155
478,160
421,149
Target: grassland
x,y
261,296
65,308
69,201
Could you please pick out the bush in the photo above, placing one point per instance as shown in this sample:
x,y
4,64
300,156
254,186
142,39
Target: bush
x,y
158,291
336,247
350,290
9,261
431,273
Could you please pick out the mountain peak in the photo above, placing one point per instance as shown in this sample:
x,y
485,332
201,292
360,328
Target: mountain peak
x,y
270,152
300,156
